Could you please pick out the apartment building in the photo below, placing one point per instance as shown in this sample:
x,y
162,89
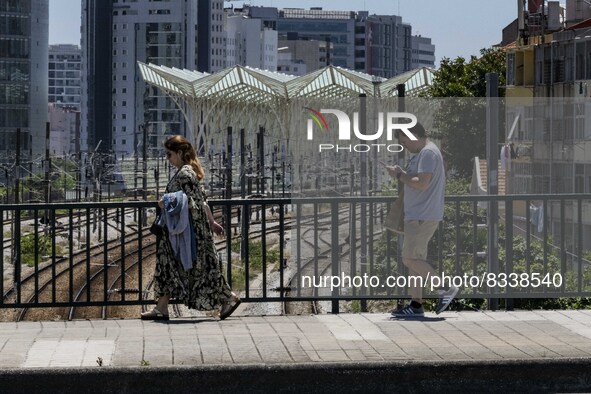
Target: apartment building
x,y
380,45
64,75
24,30
116,105
548,111
249,43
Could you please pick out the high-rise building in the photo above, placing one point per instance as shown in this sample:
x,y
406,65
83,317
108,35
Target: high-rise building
x,y
336,27
375,44
64,75
423,52
24,32
64,98
211,44
388,49
299,57
95,105
65,129
249,43
117,106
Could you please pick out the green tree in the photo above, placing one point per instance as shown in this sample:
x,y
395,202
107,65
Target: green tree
x,y
459,123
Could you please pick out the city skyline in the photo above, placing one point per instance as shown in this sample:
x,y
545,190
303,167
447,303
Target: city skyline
x,y
477,28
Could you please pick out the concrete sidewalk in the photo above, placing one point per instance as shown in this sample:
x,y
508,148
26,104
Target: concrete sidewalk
x,y
374,351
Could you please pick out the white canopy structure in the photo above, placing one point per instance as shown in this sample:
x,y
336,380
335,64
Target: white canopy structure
x,y
243,97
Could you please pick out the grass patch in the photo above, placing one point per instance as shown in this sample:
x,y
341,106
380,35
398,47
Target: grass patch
x,y
255,262
255,254
43,248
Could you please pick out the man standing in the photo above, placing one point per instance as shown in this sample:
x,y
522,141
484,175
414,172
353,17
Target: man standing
x,y
424,191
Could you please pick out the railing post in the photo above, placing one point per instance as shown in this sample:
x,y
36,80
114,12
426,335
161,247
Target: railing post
x,y
492,134
244,216
334,225
563,266
509,247
400,160
2,253
228,231
579,244
17,255
17,167
363,217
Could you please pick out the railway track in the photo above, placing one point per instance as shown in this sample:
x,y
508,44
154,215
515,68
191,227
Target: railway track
x,y
97,274
68,280
76,221
91,276
320,264
112,279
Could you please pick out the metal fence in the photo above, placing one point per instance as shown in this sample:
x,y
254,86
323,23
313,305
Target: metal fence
x,y
304,249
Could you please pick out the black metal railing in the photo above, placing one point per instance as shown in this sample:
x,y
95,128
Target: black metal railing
x,y
537,258
69,254
304,249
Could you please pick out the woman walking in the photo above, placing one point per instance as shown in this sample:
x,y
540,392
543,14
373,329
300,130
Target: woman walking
x,y
198,283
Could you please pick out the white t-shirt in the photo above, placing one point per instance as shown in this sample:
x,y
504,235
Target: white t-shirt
x,y
428,204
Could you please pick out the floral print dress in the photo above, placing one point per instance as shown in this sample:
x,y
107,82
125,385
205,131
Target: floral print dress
x,y
202,287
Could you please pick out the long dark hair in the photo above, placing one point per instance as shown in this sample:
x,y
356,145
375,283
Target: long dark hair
x,y
180,144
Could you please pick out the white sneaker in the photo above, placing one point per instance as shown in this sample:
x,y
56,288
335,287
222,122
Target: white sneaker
x,y
445,298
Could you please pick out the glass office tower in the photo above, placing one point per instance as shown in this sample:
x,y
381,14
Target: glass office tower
x,y
24,29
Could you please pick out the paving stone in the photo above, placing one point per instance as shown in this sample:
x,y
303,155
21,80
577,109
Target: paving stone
x,y
333,355
295,339
356,355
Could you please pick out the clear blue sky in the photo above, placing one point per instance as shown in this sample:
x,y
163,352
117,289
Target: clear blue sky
x,y
457,27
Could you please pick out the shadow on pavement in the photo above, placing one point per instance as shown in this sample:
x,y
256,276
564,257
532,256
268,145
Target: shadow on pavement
x,y
424,319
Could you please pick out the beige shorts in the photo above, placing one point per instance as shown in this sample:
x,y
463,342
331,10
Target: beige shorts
x,y
417,234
